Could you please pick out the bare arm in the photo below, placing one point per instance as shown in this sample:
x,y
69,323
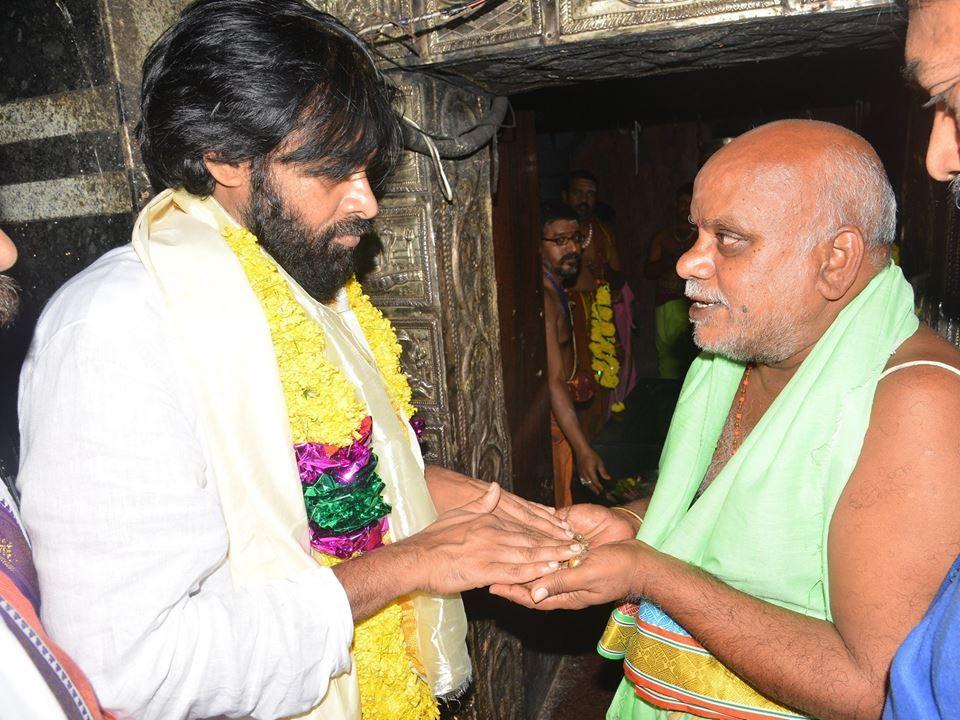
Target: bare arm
x,y
589,463
893,536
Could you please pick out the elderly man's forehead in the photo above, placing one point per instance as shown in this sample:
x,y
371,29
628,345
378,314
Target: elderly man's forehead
x,y
742,181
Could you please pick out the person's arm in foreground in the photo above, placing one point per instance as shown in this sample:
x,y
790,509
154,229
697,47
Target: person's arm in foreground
x,y
131,545
893,536
589,464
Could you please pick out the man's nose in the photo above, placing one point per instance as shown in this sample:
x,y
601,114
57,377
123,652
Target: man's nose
x,y
359,200
696,262
943,152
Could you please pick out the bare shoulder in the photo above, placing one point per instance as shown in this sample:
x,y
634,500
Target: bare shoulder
x,y
895,529
925,345
551,302
925,389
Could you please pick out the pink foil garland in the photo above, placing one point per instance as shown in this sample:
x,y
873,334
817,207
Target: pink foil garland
x,y
346,546
343,464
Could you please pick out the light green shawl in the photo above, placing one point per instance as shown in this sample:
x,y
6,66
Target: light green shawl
x,y
762,525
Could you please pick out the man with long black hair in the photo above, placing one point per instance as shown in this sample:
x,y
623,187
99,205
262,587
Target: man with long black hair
x,y
219,471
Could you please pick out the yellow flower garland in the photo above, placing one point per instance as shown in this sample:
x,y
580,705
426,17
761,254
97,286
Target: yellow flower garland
x,y
323,407
603,339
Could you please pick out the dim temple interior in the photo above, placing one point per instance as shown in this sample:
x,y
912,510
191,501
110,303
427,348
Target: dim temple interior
x,y
512,97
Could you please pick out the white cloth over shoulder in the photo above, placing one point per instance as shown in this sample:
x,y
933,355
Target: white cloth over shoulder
x,y
129,539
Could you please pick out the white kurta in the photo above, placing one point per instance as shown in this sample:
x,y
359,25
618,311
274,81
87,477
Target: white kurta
x,y
128,534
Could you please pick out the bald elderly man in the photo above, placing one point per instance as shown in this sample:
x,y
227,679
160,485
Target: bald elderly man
x,y
806,509
925,675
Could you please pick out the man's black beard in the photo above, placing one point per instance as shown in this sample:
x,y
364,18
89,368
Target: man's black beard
x,y
583,211
568,273
311,257
9,300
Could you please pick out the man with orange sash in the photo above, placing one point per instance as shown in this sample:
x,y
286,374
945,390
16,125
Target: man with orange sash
x,y
560,247
220,470
805,511
594,381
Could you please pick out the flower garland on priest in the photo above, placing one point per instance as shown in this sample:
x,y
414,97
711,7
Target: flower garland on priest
x,y
603,339
342,491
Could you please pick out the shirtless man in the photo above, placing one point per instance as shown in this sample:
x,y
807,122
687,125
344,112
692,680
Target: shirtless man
x,y
560,250
805,512
599,264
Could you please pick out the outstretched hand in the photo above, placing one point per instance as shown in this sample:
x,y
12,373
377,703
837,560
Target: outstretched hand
x,y
450,490
607,573
472,546
597,524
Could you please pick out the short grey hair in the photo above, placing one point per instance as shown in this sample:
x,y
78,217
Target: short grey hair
x,y
853,189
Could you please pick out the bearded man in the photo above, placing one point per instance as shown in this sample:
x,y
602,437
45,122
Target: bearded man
x,y
560,248
805,510
925,675
228,505
595,381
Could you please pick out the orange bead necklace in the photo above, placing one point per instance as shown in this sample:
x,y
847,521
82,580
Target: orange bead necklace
x,y
738,415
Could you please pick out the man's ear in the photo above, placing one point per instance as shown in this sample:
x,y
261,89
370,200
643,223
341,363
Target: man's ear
x,y
229,175
840,262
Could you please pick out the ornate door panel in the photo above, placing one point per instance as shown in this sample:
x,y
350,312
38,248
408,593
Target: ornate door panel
x,y
435,280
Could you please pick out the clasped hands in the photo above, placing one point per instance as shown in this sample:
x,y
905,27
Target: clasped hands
x,y
520,549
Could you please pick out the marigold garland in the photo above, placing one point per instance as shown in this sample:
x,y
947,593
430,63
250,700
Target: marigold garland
x,y
603,339
331,429
385,346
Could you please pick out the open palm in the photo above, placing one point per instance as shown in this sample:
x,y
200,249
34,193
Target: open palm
x,y
597,524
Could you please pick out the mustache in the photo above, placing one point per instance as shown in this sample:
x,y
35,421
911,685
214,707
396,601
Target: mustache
x,y
694,289
570,257
356,227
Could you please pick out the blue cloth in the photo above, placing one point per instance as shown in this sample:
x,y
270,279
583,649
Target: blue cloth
x,y
925,675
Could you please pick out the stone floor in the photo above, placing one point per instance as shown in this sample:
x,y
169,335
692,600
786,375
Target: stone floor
x,y
583,689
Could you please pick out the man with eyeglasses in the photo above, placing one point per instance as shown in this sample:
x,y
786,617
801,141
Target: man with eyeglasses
x,y
925,674
599,266
561,247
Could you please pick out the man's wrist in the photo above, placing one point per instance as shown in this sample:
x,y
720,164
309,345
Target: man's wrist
x,y
407,565
581,449
449,489
641,575
630,516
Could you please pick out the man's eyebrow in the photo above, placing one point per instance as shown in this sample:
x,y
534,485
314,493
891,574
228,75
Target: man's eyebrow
x,y
725,223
